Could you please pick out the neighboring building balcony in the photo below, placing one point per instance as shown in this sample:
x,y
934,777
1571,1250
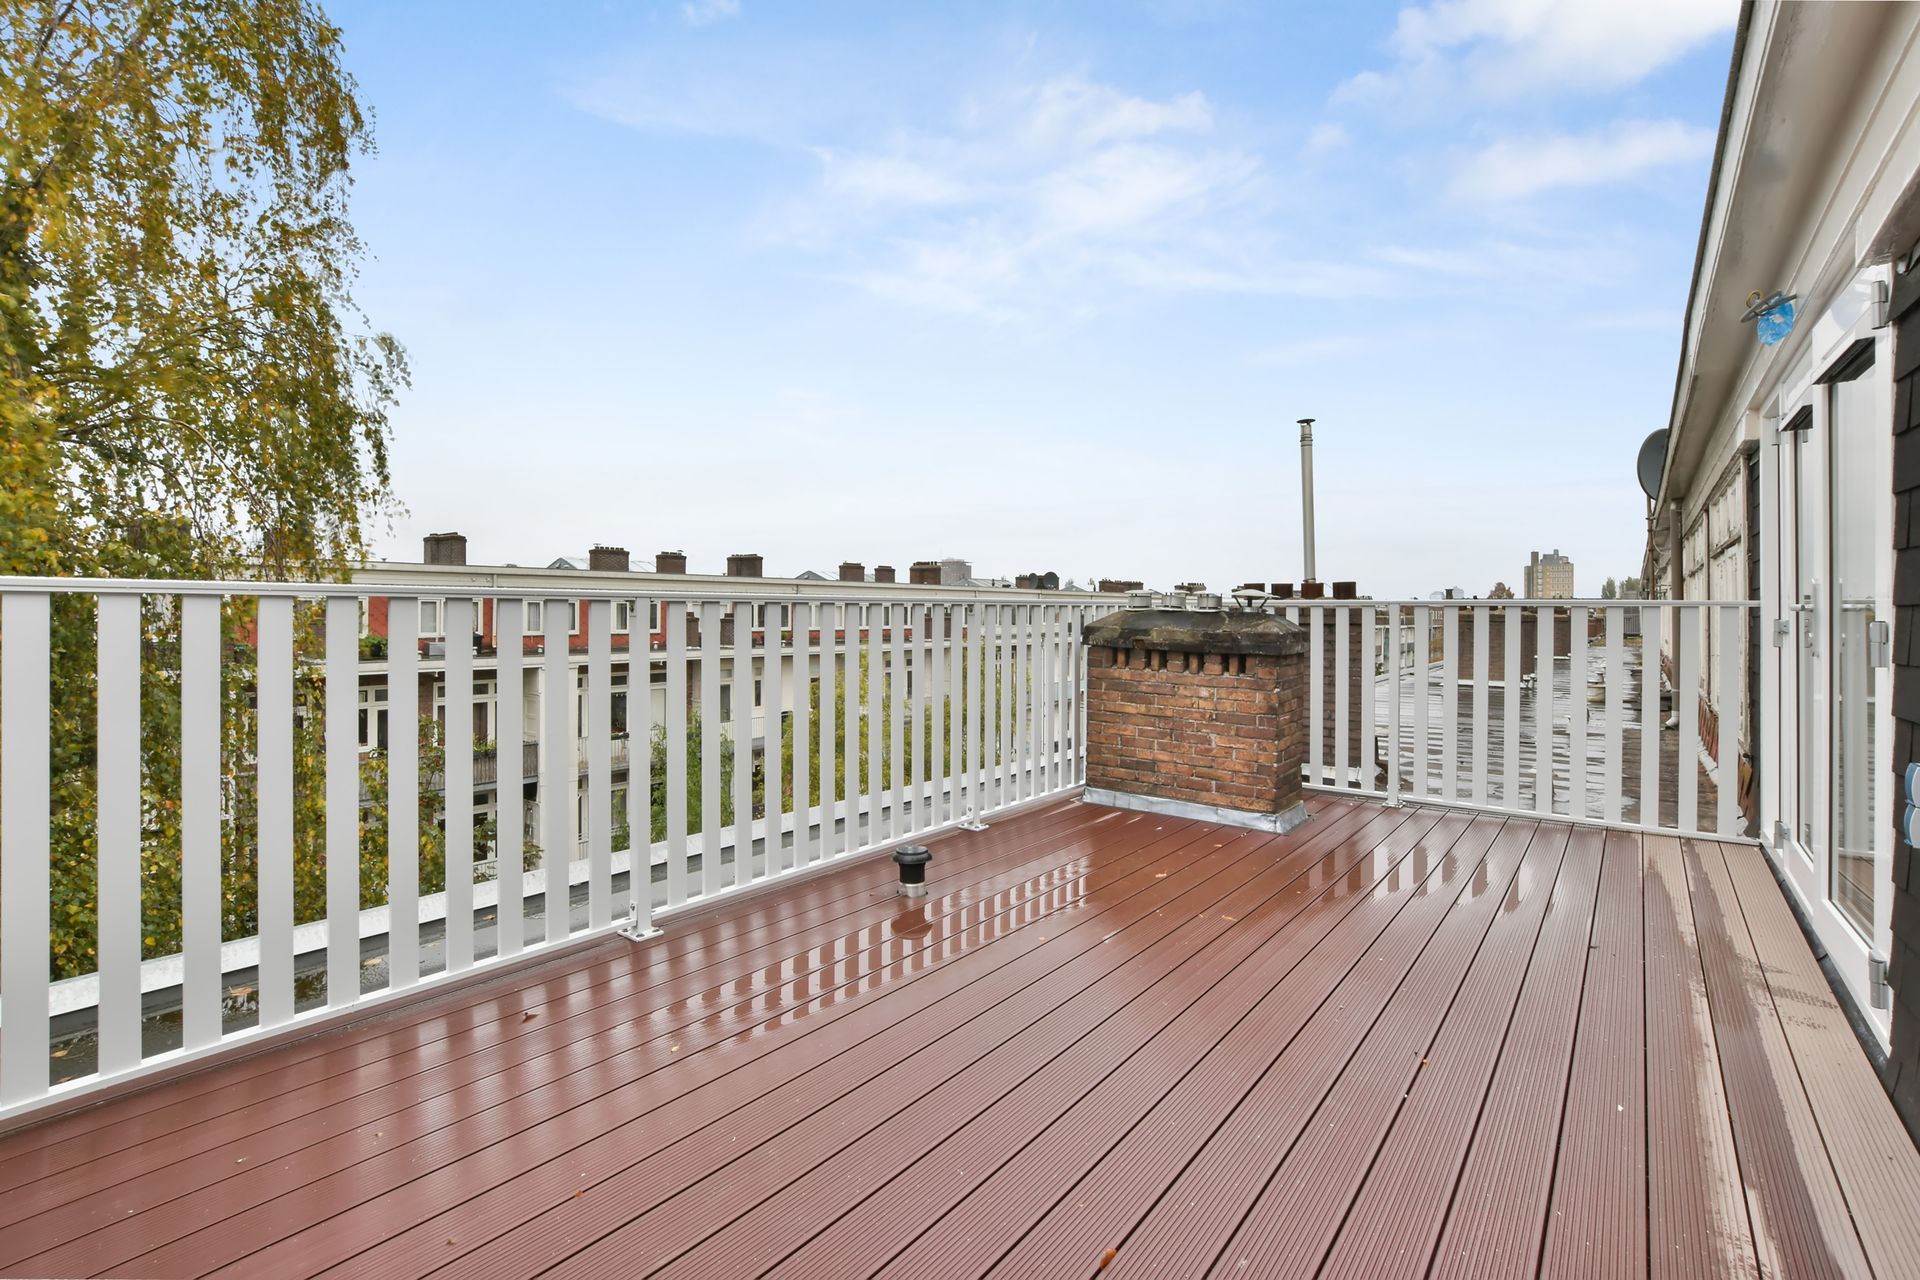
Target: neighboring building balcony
x,y
1497,980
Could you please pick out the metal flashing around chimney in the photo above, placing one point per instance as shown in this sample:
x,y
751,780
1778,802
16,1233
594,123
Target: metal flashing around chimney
x,y
1280,823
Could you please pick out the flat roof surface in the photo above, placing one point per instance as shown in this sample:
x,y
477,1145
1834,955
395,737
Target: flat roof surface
x,y
1395,1042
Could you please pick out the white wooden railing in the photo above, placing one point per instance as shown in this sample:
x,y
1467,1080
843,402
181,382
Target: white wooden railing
x,y
980,687
1622,712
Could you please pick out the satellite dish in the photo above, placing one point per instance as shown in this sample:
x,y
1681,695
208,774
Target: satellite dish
x,y
1652,462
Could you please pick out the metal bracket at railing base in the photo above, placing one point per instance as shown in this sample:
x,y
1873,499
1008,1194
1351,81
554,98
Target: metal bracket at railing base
x,y
633,931
973,823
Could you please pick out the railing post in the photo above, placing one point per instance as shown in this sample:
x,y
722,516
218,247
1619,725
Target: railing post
x,y
26,675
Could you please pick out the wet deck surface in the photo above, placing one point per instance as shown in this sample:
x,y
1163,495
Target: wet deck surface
x,y
1397,1042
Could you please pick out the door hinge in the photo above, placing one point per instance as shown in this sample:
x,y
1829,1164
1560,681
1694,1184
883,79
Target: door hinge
x,y
1880,991
1879,644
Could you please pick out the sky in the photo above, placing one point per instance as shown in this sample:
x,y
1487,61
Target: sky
x,y
1043,286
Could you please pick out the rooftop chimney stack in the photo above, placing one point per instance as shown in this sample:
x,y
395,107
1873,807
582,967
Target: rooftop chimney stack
x,y
745,566
924,573
852,571
670,562
883,573
608,560
444,548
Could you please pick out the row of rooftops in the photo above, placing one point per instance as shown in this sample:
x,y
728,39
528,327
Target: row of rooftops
x,y
450,550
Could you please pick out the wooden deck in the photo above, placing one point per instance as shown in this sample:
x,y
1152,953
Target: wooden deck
x,y
1397,1042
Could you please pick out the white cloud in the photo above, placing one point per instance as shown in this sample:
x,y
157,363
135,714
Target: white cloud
x,y
698,13
1326,137
1038,198
1515,168
1501,48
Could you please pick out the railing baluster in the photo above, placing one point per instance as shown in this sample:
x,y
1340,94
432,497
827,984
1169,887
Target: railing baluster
x,y
1612,762
1342,762
1731,651
640,770
510,814
773,702
1392,665
830,765
711,644
998,736
25,836
805,847
1422,696
1023,701
274,778
403,792
118,730
1316,697
599,620
876,704
1510,694
1076,666
1450,702
898,768
674,617
457,780
559,775
200,821
1579,762
1686,705
343,801
740,685
1650,714
916,715
1482,642
1543,710
976,667
938,811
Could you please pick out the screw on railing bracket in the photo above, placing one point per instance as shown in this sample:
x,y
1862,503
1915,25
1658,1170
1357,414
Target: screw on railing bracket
x,y
973,822
912,859
635,930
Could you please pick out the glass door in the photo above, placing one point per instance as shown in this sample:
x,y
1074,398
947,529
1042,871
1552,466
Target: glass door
x,y
1860,448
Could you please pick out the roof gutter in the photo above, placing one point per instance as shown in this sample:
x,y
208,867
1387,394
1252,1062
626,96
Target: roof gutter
x,y
1740,32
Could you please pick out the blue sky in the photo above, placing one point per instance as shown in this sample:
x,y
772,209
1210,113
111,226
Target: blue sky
x,y
1043,285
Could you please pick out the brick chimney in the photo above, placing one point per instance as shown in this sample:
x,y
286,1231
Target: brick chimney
x,y
1198,714
883,573
745,566
670,562
852,571
1119,586
924,573
1026,582
444,548
608,560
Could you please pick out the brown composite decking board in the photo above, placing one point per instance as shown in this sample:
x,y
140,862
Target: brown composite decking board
x,y
1310,1150
1879,1171
1799,1219
368,1108
1595,1226
611,1027
1396,1042
216,1226
1696,1208
888,1221
855,1155
1082,1186
726,942
1494,1079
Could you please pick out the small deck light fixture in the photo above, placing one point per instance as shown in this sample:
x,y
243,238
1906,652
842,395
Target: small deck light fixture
x,y
912,859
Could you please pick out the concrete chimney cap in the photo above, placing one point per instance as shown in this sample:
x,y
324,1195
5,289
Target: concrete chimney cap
x,y
1197,631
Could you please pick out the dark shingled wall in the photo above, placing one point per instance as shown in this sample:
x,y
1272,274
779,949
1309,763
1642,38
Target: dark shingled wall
x,y
1904,964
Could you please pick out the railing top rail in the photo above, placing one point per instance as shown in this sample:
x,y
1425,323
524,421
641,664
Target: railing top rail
x,y
558,588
